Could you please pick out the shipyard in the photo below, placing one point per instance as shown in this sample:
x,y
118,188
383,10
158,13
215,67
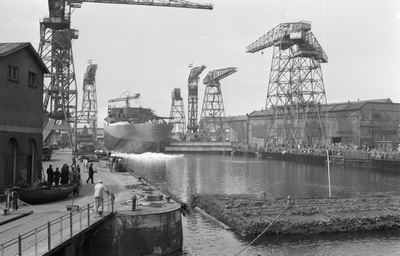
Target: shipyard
x,y
223,128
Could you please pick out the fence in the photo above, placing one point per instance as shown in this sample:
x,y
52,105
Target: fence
x,y
44,238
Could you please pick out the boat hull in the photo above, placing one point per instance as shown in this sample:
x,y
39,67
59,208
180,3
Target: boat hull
x,y
41,196
139,138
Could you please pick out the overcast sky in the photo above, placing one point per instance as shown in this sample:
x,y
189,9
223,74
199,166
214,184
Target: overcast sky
x,y
147,50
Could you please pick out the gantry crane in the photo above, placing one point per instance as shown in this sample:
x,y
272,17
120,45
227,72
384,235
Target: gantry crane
x,y
55,49
126,96
177,114
213,112
193,82
296,97
88,113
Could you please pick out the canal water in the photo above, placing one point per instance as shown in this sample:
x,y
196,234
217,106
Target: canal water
x,y
185,175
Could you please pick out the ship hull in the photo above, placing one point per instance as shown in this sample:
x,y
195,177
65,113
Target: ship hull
x,y
125,137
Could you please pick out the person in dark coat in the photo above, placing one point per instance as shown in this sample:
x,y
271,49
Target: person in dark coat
x,y
50,175
57,175
91,173
64,174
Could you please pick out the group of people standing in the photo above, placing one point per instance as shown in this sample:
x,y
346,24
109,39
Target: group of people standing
x,y
68,176
73,176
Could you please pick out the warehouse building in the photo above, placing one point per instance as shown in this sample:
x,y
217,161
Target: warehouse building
x,y
371,123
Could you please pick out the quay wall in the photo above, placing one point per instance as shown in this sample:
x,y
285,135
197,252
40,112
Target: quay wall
x,y
321,159
153,226
129,233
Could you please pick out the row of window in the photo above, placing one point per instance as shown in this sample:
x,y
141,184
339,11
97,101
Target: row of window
x,y
13,75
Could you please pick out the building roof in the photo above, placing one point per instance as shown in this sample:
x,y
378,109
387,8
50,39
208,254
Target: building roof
x,y
9,48
235,118
341,106
354,105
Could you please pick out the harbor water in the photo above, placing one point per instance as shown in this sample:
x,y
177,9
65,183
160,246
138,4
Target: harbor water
x,y
185,175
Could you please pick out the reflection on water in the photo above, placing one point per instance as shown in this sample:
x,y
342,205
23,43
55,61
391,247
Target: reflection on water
x,y
184,175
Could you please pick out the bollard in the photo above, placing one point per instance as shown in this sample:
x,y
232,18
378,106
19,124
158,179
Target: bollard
x,y
134,203
8,200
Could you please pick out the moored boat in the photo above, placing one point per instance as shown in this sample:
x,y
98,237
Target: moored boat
x,y
44,195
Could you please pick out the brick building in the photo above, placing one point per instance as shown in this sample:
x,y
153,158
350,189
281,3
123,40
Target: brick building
x,y
21,113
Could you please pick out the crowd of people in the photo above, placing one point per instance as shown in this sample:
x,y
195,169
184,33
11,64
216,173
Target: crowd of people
x,y
73,176
64,177
335,149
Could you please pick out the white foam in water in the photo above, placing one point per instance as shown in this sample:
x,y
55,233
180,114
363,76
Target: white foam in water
x,y
148,155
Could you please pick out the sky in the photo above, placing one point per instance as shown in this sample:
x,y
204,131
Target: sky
x,y
147,50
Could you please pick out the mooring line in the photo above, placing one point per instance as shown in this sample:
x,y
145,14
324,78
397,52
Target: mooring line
x,y
265,230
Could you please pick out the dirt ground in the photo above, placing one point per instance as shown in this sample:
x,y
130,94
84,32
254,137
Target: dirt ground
x,y
251,215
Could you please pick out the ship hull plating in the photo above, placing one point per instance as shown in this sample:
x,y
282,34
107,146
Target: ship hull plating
x,y
139,138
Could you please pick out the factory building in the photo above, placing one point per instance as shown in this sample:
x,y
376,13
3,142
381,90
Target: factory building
x,y
21,113
371,123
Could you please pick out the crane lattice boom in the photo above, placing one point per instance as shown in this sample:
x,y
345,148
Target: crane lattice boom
x,y
161,3
215,76
288,34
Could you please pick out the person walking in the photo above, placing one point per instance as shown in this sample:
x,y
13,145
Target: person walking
x,y
57,175
99,189
91,173
50,175
64,174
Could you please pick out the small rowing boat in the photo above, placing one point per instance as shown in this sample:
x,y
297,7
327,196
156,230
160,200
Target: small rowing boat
x,y
44,194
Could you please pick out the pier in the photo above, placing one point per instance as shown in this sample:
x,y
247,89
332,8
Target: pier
x,y
141,220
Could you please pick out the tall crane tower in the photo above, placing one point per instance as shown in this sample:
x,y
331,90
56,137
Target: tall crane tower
x,y
213,112
193,88
296,94
55,49
177,113
88,113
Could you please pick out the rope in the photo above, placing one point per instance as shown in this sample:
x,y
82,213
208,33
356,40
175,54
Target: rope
x,y
265,230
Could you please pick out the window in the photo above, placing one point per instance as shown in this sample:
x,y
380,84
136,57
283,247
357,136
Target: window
x,y
32,79
13,73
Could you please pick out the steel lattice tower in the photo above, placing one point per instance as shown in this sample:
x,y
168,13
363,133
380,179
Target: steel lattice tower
x,y
55,49
213,112
296,95
193,82
88,113
177,113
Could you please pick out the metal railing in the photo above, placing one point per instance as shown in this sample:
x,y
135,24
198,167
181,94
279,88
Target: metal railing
x,y
44,238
